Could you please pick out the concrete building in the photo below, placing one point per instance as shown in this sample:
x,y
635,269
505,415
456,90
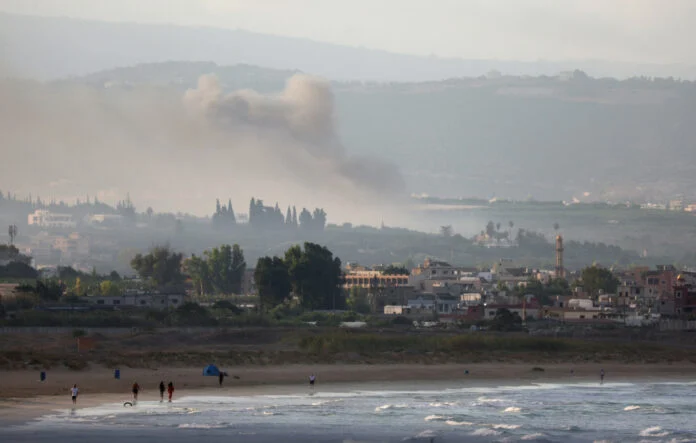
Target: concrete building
x,y
46,219
151,301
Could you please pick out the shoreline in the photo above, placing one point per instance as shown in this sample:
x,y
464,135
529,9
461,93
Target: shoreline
x,y
24,398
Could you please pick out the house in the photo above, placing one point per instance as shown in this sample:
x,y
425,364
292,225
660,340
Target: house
x,y
46,219
150,301
525,311
685,295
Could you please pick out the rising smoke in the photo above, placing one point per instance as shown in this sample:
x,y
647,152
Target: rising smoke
x,y
180,153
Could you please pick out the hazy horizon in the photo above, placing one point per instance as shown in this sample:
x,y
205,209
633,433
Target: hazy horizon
x,y
636,31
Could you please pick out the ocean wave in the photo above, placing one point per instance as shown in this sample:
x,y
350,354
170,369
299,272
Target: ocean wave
x,y
199,426
436,418
490,400
485,432
388,407
632,408
512,409
505,426
444,403
654,431
458,423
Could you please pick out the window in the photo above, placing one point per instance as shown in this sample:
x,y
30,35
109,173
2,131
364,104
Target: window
x,y
117,302
175,301
142,302
100,302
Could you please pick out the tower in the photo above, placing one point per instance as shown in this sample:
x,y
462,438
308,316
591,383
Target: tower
x,y
560,270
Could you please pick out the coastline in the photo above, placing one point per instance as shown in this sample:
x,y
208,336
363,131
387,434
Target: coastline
x,y
24,398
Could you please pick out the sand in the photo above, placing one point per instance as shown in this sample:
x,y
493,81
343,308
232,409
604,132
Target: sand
x,y
23,396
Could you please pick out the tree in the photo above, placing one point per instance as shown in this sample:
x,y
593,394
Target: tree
x,y
396,270
109,288
316,276
149,212
446,231
505,320
305,219
197,269
594,279
49,290
490,229
358,301
272,281
160,266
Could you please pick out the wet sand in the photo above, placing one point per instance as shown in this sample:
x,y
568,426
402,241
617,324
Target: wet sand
x,y
23,397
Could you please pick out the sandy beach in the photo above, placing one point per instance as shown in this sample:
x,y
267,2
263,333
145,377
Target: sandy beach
x,y
23,397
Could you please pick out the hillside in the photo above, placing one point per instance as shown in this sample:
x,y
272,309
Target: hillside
x,y
49,48
551,138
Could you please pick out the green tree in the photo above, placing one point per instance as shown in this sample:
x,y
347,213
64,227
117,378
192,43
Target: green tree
x,y
316,276
109,288
272,281
197,269
594,279
358,301
226,266
160,266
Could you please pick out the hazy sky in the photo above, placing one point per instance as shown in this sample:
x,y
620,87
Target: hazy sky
x,y
656,31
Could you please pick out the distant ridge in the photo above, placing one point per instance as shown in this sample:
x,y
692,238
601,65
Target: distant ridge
x,y
54,47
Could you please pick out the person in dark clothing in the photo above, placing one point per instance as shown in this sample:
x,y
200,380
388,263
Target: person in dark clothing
x,y
170,391
162,389
221,377
136,389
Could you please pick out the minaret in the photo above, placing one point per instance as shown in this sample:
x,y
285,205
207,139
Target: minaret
x,y
560,270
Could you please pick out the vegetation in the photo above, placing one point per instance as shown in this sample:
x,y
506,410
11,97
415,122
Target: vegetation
x,y
161,266
596,280
219,271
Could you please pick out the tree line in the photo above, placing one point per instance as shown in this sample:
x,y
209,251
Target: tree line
x,y
270,217
310,273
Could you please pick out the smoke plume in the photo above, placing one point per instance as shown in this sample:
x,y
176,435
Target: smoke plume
x,y
180,153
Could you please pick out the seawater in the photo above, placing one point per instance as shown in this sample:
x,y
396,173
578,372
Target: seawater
x,y
542,412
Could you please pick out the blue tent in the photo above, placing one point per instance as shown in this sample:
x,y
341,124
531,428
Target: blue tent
x,y
211,370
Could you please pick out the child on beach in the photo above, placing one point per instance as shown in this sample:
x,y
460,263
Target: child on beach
x,y
161,388
170,391
73,391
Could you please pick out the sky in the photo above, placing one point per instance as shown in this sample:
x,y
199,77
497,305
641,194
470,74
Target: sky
x,y
645,31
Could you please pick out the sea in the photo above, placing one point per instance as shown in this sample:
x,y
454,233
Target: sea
x,y
390,412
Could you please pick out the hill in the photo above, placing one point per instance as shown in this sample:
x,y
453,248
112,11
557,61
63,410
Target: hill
x,y
48,48
550,138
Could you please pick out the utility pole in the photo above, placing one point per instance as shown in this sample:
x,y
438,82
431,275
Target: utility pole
x,y
12,231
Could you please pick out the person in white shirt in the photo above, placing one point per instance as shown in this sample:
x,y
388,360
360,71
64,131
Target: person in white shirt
x,y
312,379
73,392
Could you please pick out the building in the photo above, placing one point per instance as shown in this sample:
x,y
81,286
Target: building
x,y
145,301
372,279
104,220
46,219
685,296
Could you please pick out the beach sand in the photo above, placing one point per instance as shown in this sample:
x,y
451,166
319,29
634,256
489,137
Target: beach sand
x,y
23,397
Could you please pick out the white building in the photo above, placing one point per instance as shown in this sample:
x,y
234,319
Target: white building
x,y
104,219
47,219
155,301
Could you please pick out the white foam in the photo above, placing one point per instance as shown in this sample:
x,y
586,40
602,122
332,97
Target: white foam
x,y
505,426
436,418
388,407
535,436
632,408
512,409
654,431
490,400
458,423
485,432
427,434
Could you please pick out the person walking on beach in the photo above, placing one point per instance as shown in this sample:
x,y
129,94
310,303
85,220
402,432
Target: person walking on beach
x,y
312,379
601,377
73,392
136,389
221,377
161,388
170,391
